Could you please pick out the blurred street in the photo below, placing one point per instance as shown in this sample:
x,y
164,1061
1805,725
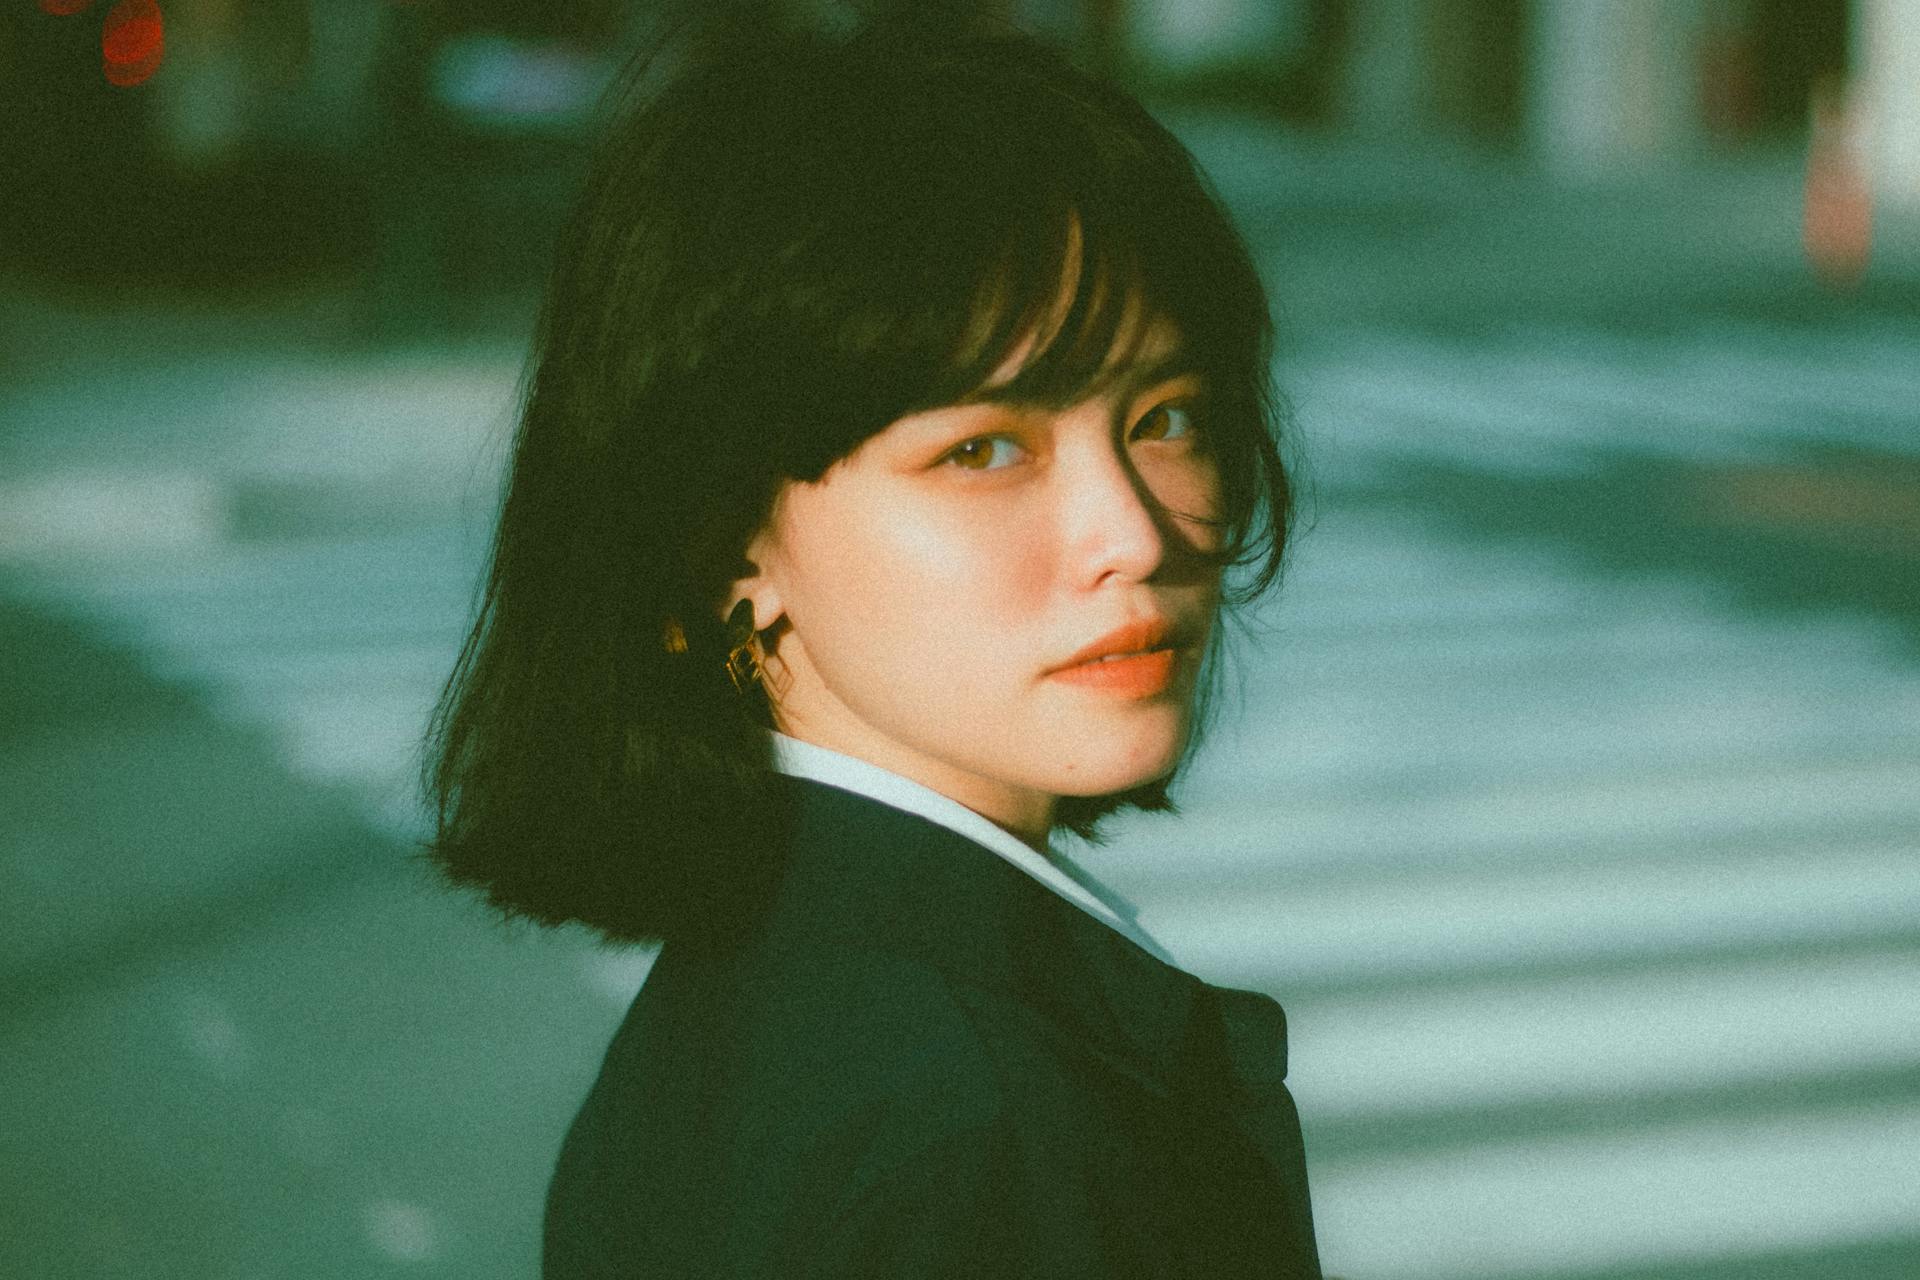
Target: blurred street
x,y
1573,816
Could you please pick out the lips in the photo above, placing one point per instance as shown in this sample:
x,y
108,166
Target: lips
x,y
1134,675
1136,637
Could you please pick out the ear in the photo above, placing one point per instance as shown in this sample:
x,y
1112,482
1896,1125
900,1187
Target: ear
x,y
761,585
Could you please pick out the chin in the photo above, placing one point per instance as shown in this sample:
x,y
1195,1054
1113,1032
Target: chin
x,y
1128,764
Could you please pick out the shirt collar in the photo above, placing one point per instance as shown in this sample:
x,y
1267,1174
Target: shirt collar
x,y
801,759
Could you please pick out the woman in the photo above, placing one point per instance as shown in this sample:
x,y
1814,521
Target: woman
x,y
897,408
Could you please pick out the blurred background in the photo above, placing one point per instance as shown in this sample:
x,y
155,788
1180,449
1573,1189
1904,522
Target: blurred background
x,y
1573,814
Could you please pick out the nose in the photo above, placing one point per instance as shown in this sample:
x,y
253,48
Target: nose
x,y
1110,521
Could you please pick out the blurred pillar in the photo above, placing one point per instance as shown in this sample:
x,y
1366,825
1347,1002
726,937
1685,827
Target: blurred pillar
x,y
200,91
1385,87
1409,67
1886,95
1613,83
1184,37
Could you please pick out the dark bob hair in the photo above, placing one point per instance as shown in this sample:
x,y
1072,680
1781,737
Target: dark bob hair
x,y
787,240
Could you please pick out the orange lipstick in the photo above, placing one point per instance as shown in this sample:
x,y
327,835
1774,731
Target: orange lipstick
x,y
1135,675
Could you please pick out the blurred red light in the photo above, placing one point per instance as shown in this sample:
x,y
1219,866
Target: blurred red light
x,y
132,33
63,8
128,74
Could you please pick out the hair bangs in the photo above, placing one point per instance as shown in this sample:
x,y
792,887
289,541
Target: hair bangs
x,y
1084,333
1073,297
1077,291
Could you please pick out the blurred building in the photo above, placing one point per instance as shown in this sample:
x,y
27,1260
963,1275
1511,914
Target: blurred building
x,y
293,126
1581,85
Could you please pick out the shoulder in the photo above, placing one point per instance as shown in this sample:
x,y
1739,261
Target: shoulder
x,y
793,1067
743,1102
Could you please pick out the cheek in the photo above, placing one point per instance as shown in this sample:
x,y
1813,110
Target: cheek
x,y
934,585
970,579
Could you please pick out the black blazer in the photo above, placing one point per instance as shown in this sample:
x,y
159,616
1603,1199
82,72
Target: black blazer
x,y
922,1062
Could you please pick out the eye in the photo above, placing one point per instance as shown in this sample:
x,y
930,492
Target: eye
x,y
1170,421
980,453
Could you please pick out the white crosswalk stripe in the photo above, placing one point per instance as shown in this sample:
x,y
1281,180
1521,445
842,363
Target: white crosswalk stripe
x,y
1660,1194
1560,402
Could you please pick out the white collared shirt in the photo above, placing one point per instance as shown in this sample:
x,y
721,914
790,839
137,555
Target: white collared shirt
x,y
801,759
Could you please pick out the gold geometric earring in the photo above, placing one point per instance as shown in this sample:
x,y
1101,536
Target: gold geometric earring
x,y
743,665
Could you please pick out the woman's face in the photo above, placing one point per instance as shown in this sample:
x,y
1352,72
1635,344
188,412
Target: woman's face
x,y
930,586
